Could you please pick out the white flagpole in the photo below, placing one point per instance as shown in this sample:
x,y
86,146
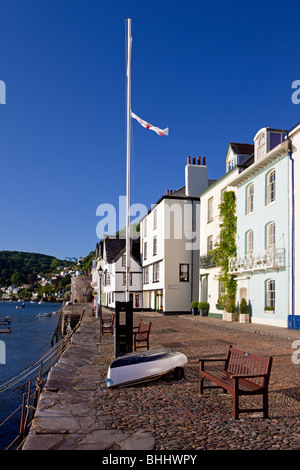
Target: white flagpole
x,y
129,44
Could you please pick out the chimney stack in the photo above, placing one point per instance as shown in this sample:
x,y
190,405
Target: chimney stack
x,y
196,177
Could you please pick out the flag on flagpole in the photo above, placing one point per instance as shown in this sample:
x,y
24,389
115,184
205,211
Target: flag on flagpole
x,y
149,126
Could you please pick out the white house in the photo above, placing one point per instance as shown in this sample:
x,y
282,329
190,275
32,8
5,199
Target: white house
x,y
169,236
111,257
292,143
238,157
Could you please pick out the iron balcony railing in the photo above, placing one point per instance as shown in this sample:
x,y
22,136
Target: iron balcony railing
x,y
271,258
207,261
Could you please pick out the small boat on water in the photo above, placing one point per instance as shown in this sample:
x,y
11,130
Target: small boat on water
x,y
21,306
143,366
6,319
5,330
45,314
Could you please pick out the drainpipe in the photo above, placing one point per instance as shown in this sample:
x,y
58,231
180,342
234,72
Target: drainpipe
x,y
293,231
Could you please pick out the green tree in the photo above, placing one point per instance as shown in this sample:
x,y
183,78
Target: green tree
x,y
16,279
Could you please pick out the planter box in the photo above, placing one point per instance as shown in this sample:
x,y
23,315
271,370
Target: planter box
x,y
244,318
203,312
228,316
195,311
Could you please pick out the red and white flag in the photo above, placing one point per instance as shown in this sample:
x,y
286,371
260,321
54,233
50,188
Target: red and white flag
x,y
149,126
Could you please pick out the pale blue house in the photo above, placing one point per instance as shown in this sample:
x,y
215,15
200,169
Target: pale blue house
x,y
262,265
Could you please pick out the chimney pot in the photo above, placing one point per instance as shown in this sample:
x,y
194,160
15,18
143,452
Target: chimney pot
x,y
167,192
194,161
198,161
188,160
203,161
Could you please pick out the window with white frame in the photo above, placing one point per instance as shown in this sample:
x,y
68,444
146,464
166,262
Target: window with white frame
x,y
221,289
210,209
270,294
250,198
271,187
209,243
124,261
130,279
249,242
261,146
154,245
156,272
107,279
145,227
271,235
155,219
146,275
145,250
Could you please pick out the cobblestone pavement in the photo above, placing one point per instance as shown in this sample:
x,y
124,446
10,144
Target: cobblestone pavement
x,y
77,411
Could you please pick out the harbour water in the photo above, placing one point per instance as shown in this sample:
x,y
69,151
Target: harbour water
x,y
28,341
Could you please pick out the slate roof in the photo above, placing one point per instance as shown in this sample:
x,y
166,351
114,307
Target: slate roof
x,y
242,149
115,247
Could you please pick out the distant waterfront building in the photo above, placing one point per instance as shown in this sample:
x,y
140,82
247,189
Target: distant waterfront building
x,y
110,255
81,289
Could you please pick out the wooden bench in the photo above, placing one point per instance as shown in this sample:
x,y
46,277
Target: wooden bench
x,y
107,324
141,336
243,374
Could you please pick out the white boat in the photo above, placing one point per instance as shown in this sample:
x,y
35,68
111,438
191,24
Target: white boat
x,y
7,319
137,367
45,314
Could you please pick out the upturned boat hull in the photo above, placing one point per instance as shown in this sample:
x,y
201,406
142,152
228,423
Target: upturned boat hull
x,y
138,367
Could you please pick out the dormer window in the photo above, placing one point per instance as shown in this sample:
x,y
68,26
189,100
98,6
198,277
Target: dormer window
x,y
265,140
261,146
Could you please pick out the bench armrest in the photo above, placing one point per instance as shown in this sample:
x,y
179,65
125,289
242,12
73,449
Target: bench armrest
x,y
203,360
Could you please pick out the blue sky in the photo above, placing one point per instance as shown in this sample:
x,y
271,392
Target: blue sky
x,y
213,72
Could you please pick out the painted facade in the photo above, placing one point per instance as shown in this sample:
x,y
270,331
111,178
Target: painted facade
x,y
293,146
170,246
111,257
262,264
238,157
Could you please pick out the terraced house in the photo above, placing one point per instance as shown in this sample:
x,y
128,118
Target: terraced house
x,y
170,245
263,263
238,157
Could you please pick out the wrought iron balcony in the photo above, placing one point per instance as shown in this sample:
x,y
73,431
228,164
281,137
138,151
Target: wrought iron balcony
x,y
272,258
207,261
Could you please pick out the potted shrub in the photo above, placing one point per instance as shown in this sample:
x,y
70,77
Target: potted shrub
x,y
230,313
194,307
244,316
203,307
